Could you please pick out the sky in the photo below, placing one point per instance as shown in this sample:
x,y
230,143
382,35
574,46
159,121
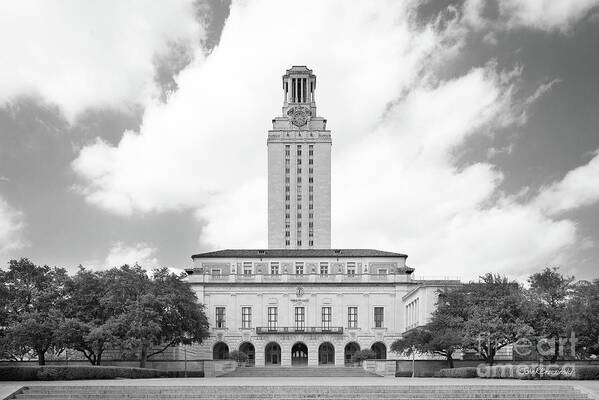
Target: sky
x,y
465,133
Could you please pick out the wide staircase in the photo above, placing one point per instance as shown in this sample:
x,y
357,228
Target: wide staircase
x,y
299,372
378,392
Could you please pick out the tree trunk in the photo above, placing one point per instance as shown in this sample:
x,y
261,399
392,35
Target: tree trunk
x,y
98,358
41,357
449,360
144,356
491,357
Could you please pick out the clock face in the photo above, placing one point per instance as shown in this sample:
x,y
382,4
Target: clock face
x,y
299,116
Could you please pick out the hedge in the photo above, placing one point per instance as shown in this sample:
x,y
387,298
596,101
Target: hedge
x,y
403,374
55,373
525,371
462,372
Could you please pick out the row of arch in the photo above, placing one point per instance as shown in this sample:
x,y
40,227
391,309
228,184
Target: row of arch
x,y
299,352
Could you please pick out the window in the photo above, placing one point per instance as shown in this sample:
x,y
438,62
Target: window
x,y
299,268
310,207
299,170
299,179
310,161
382,271
287,242
273,314
299,151
287,198
287,206
286,188
311,243
247,268
220,317
351,268
311,152
326,318
311,224
299,242
324,268
352,317
311,170
310,180
299,161
311,197
246,317
300,318
287,234
287,216
299,215
287,180
287,151
379,316
216,272
287,170
274,266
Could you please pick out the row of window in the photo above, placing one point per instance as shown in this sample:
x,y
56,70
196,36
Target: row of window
x,y
298,194
300,317
275,269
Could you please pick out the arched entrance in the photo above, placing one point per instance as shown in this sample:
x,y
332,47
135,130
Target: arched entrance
x,y
380,350
272,354
350,349
299,354
220,351
326,354
248,348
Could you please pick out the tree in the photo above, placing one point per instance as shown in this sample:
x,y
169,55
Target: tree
x,y
548,299
441,336
87,327
35,296
493,312
152,315
583,313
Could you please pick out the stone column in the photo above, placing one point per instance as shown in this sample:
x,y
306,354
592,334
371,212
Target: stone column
x,y
259,353
312,353
285,353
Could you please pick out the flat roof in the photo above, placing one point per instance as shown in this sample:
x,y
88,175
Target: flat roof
x,y
295,253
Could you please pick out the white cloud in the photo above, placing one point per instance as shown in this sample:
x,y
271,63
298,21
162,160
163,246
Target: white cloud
x,y
81,54
580,187
396,130
546,15
139,253
11,229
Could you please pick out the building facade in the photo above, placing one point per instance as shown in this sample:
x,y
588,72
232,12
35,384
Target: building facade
x,y
299,169
299,302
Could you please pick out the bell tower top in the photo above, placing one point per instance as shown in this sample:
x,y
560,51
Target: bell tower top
x,y
299,104
299,84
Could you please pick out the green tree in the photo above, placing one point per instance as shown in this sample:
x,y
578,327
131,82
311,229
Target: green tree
x,y
548,297
362,355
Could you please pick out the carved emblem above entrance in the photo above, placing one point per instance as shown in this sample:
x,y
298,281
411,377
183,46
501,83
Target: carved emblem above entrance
x,y
299,291
299,115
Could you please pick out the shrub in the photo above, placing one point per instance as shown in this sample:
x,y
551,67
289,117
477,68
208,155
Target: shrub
x,y
362,355
462,372
46,373
403,374
586,372
238,356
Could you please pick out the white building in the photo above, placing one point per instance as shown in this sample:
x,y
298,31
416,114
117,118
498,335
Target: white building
x,y
299,301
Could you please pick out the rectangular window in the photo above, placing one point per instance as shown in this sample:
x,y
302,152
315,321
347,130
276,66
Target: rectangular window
x,y
326,318
324,268
351,268
287,206
300,318
311,152
216,272
311,243
311,170
287,170
287,180
299,161
310,180
352,317
299,179
274,268
287,151
299,242
382,271
287,216
273,315
247,268
246,317
299,170
310,161
287,242
379,316
299,268
220,317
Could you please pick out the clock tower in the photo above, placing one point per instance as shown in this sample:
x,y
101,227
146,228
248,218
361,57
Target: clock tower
x,y
299,169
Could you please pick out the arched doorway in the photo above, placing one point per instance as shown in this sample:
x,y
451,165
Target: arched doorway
x,y
299,354
272,354
220,351
380,350
350,349
326,354
248,348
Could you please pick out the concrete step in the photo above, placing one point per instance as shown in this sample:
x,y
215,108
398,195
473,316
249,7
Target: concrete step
x,y
299,372
396,392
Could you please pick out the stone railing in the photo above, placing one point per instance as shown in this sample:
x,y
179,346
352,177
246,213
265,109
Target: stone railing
x,y
265,330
